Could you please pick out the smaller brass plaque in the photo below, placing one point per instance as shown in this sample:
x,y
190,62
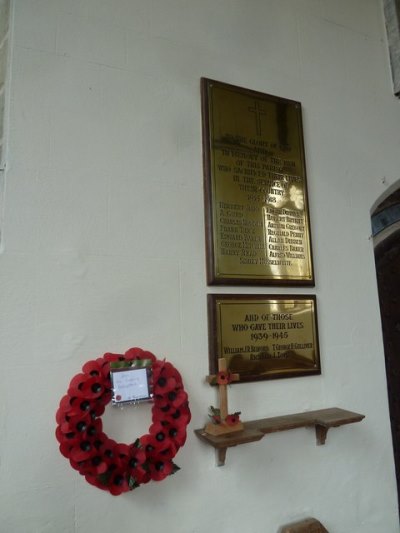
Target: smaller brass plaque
x,y
264,336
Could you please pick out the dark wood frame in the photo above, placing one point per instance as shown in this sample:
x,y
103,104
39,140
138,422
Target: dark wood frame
x,y
212,279
213,336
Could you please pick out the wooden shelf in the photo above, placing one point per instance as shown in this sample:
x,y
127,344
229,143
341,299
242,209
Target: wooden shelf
x,y
254,430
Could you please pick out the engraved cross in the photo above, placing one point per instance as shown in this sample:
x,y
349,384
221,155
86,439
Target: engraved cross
x,y
258,112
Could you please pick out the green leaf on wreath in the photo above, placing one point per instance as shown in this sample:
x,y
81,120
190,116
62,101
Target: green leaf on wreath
x,y
136,363
175,468
120,364
132,483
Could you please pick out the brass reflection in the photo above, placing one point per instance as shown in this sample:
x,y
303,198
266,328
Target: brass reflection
x,y
255,182
263,338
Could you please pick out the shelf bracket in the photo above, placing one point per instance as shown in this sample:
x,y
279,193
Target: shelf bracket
x,y
221,456
321,433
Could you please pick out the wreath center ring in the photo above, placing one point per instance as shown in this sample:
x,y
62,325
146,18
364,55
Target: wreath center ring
x,y
114,466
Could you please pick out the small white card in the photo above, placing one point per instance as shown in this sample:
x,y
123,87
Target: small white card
x,y
130,385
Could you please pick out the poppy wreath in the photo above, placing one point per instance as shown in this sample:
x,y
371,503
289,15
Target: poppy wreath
x,y
113,466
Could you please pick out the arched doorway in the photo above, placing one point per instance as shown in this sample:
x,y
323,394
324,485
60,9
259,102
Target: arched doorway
x,y
386,236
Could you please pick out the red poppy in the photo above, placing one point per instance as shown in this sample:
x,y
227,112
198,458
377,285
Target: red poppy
x,y
66,436
177,433
170,452
137,464
180,416
163,409
108,450
82,406
138,353
94,430
91,387
93,368
82,450
223,377
163,385
105,399
160,413
233,419
159,470
152,446
105,368
96,465
69,424
65,449
171,371
122,452
165,379
95,480
177,398
85,428
115,482
158,430
112,357
118,482
65,402
77,379
110,458
76,383
162,435
61,416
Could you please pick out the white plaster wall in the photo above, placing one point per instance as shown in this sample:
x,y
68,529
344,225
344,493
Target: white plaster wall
x,y
104,249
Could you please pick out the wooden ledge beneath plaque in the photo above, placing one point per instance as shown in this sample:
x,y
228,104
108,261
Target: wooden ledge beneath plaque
x,y
254,430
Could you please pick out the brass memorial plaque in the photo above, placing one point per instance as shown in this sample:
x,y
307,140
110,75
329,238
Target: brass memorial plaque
x,y
264,337
256,202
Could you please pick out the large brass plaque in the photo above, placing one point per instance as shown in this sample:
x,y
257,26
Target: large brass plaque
x,y
264,337
256,202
